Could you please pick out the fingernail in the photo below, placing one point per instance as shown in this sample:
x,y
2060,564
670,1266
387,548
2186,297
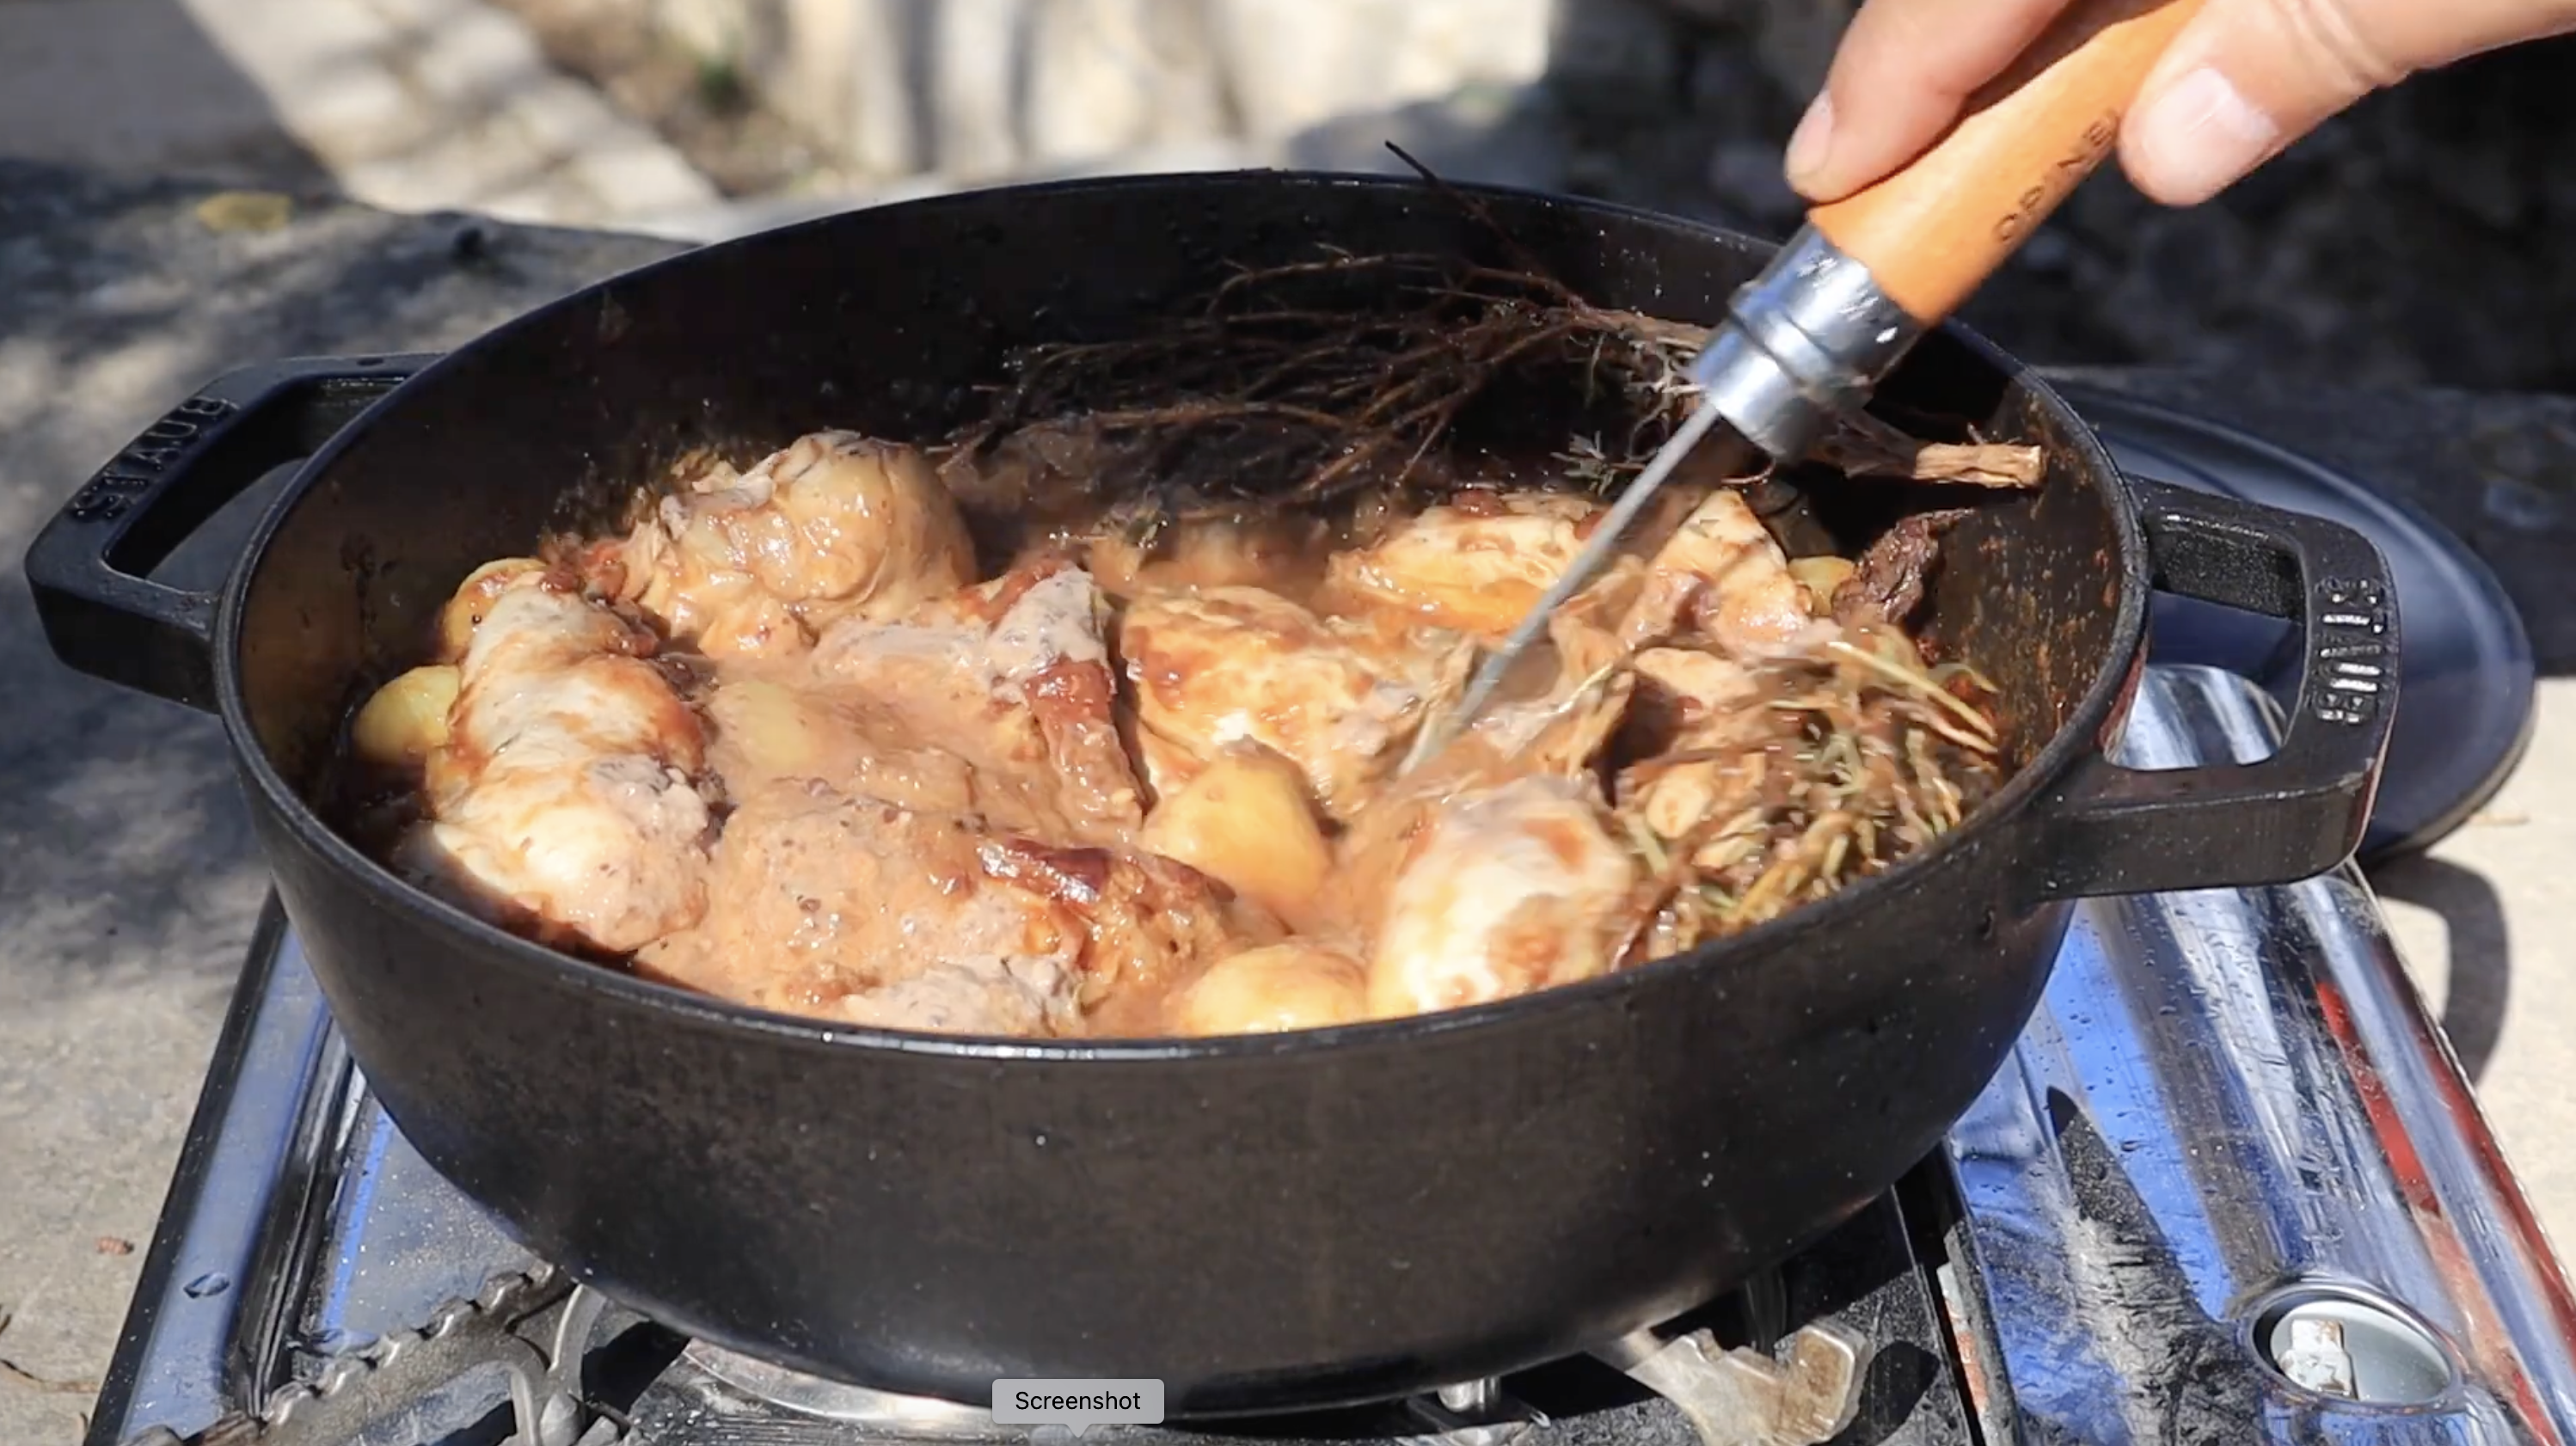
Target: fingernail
x,y
2200,136
1813,141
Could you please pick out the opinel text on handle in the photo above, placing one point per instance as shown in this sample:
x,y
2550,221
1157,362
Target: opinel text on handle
x,y
1933,232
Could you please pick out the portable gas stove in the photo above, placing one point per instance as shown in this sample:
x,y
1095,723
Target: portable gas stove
x,y
2231,1186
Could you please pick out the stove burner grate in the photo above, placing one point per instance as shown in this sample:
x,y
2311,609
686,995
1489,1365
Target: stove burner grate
x,y
540,1329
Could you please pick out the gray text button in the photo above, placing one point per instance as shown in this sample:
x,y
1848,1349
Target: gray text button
x,y
1078,1403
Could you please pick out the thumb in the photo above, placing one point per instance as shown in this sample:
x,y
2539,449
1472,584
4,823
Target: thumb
x,y
2246,78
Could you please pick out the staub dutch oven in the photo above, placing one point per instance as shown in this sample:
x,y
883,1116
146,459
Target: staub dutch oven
x,y
1263,1223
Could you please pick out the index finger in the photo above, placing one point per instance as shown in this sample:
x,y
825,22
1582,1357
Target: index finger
x,y
1903,72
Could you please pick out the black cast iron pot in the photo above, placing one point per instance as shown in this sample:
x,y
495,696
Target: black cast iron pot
x,y
1263,1223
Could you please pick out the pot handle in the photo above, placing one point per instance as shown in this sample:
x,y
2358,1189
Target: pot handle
x,y
2297,814
90,568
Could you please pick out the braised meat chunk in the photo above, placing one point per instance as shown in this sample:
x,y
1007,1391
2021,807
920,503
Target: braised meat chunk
x,y
1230,665
754,563
1012,676
1476,564
852,908
1886,586
562,797
997,701
1723,578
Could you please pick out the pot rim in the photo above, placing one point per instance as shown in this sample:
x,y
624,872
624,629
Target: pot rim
x,y
2089,725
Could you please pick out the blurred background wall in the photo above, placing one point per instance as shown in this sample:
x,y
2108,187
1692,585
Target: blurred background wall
x,y
2421,238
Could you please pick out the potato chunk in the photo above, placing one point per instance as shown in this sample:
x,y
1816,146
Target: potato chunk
x,y
1244,821
406,718
1272,989
1821,575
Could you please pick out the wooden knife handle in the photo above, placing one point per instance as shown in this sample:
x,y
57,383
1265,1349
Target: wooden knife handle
x,y
1933,232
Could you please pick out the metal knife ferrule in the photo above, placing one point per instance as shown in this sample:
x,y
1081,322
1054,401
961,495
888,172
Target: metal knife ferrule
x,y
1806,340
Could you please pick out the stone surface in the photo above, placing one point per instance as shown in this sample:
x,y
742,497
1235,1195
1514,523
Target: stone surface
x,y
428,104
412,105
128,881
1287,74
2483,919
407,104
973,89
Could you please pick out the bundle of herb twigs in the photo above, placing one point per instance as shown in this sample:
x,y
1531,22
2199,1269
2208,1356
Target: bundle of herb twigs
x,y
1869,755
1305,382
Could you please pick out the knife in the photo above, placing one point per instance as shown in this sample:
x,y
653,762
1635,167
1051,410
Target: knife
x,y
1866,277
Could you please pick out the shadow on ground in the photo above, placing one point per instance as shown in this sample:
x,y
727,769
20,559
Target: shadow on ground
x,y
2479,990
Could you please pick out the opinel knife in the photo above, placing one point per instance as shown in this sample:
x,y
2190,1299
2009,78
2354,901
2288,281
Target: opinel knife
x,y
1867,276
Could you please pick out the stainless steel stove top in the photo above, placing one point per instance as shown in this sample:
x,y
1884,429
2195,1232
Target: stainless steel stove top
x,y
2230,1187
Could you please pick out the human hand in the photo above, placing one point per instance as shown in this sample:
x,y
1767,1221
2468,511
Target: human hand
x,y
2243,80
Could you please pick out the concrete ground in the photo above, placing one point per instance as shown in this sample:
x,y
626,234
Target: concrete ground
x,y
127,882
2483,920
